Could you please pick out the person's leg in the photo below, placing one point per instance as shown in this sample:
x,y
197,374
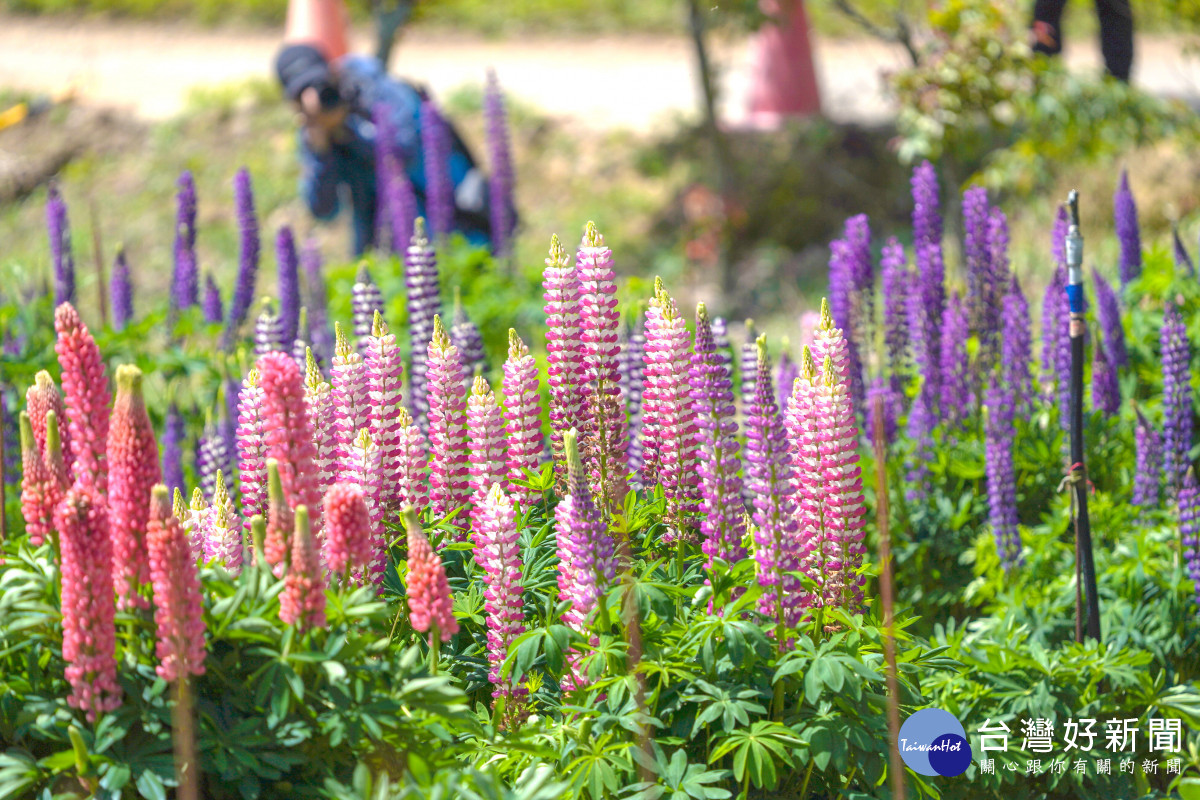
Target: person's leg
x,y
1116,36
1047,26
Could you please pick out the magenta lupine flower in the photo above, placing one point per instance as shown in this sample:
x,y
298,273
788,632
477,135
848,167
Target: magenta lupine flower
x,y
318,400
1189,527
522,416
723,516
172,448
86,388
1108,314
318,323
768,478
40,399
347,528
248,250
211,306
1177,397
365,457
252,450
120,291
498,552
185,280
366,301
225,541
351,413
485,439
423,302
88,604
1147,472
133,473
413,472
670,448
955,384
448,480
500,183
302,602
430,605
1182,259
385,377
178,612
465,335
1125,216
268,331
607,434
1106,394
60,246
587,564
564,348
40,490
289,434
289,284
439,187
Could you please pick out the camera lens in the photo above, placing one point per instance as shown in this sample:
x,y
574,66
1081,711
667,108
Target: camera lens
x,y
329,96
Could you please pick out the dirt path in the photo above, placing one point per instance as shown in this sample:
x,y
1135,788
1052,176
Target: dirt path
x,y
629,82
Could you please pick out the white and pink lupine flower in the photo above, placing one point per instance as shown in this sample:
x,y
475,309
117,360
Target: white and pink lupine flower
x,y
178,611
801,421
564,349
318,400
522,417
252,451
351,413
498,552
385,375
449,479
485,438
367,475
225,542
413,471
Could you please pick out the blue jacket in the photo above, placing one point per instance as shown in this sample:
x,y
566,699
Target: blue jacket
x,y
350,162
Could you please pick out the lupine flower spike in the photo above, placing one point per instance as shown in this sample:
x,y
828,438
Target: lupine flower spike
x,y
172,447
121,291
268,331
248,250
317,304
178,612
351,414
424,302
318,400
522,417
439,188
1126,218
42,398
500,182
465,335
1108,313
498,552
485,439
289,285
226,542
1189,527
560,290
60,246
289,433
1106,393
39,492
347,529
211,307
280,522
449,480
1177,397
86,388
1147,474
385,374
300,343
412,475
185,283
368,477
366,301
302,602
133,473
430,605
198,525
252,449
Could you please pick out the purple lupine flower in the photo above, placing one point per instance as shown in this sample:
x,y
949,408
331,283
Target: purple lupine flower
x,y
318,322
248,249
1177,397
1189,527
926,214
268,333
365,300
1108,313
401,207
630,362
748,365
1056,344
121,291
850,292
424,302
212,301
720,335
1125,216
954,385
1182,259
922,418
500,183
439,188
212,457
1106,394
1016,346
895,281
59,229
300,348
998,285
289,285
786,371
1058,239
879,388
229,420
465,335
172,448
976,255
925,309
999,412
723,516
185,283
1147,472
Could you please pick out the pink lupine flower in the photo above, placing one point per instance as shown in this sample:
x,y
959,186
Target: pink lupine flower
x,y
485,437
40,399
564,349
198,525
670,443
88,605
351,413
522,401
318,400
302,602
252,450
347,528
498,552
801,422
828,341
385,376
289,434
87,396
178,613
430,605
412,474
225,541
280,522
447,424
37,487
366,474
133,470
606,437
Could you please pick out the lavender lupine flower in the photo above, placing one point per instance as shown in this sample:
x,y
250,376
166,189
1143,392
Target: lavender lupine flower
x,y
926,306
631,364
385,376
1182,259
1001,277
252,449
319,330
60,246
723,516
786,371
248,249
500,183
185,282
498,552
449,481
399,206
228,421
954,384
300,346
748,365
211,306
1125,217
439,188
768,477
1177,397
895,282
1056,344
121,292
1106,394
268,332
289,284
926,214
586,561
365,299
1016,346
424,302
1108,314
172,448
351,413
721,341
212,457
850,290
465,335
999,402
922,418
881,389
976,256
1189,527
522,418
560,290
1147,474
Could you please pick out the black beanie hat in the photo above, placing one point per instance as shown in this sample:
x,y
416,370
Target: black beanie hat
x,y
300,66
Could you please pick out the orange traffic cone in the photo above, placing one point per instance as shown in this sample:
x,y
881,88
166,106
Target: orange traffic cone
x,y
321,23
785,81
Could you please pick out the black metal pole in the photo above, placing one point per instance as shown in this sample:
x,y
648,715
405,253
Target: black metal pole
x,y
1078,473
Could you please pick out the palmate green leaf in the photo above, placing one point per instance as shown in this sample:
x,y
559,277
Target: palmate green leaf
x,y
757,751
